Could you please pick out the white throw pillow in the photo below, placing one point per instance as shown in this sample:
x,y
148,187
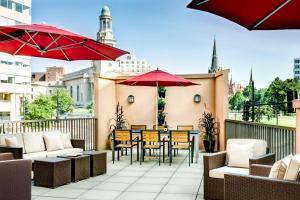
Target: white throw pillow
x,y
66,140
12,142
278,170
53,142
240,155
292,170
33,142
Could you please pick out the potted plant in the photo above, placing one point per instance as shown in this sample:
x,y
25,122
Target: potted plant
x,y
161,103
207,125
161,118
162,92
118,122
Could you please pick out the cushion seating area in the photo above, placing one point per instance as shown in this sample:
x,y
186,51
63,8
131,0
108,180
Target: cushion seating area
x,y
38,145
219,172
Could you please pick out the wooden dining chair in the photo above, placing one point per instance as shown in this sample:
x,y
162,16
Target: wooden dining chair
x,y
179,140
138,127
188,128
122,139
159,127
185,127
151,140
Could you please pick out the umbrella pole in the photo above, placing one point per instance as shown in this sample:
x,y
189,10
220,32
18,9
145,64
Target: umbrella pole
x,y
156,106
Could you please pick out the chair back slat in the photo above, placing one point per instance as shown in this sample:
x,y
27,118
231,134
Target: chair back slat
x,y
122,135
180,136
185,127
159,127
150,136
138,127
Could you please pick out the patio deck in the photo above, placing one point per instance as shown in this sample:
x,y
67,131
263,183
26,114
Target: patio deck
x,y
125,181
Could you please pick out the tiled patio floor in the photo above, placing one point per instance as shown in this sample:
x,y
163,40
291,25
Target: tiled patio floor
x,y
125,181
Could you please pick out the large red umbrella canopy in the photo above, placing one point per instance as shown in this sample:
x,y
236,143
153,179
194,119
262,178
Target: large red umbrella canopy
x,y
254,14
157,78
46,41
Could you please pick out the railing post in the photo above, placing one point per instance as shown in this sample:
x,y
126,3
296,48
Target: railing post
x,y
296,105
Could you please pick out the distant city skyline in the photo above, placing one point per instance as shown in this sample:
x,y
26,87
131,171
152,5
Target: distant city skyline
x,y
175,38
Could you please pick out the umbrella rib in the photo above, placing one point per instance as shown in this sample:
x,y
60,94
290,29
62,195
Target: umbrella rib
x,y
19,40
17,51
97,52
64,46
92,49
202,2
38,47
55,41
271,14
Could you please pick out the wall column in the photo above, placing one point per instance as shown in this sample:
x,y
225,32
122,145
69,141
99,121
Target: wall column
x,y
296,105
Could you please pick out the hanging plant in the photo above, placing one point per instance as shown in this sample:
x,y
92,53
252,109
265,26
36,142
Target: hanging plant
x,y
161,103
162,92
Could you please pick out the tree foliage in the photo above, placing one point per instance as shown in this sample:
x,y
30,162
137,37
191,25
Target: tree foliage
x,y
40,108
44,106
236,101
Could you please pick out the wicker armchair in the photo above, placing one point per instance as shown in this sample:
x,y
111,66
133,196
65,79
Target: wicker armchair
x,y
259,186
214,187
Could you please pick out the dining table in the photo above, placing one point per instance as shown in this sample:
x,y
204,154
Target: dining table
x,y
192,133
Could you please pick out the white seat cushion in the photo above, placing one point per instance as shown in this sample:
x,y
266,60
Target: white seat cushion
x,y
219,172
12,142
35,156
64,152
66,140
260,146
34,142
53,141
240,155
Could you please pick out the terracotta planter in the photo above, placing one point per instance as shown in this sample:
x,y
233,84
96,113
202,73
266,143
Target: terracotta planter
x,y
209,146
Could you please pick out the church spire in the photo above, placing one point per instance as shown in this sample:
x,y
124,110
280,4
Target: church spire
x,y
251,78
214,63
105,34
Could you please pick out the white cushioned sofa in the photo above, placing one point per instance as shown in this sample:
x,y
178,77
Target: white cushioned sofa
x,y
37,145
237,159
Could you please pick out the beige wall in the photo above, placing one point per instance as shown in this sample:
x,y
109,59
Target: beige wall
x,y
180,106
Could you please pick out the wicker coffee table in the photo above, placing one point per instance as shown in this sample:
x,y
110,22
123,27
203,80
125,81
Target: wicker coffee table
x,y
98,162
52,172
80,167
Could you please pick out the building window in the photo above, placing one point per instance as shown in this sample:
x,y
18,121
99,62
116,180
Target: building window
x,y
4,97
19,8
77,95
4,3
71,91
4,116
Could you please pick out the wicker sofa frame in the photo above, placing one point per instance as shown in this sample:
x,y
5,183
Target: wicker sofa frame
x,y
214,187
259,186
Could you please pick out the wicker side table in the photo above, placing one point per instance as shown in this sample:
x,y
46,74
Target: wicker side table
x,y
98,163
80,167
52,172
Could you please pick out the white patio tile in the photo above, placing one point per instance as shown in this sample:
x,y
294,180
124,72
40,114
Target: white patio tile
x,y
39,190
100,194
185,181
112,186
64,192
137,196
122,179
138,187
153,180
181,189
84,184
164,196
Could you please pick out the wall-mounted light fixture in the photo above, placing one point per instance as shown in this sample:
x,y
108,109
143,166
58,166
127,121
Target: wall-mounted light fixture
x,y
130,99
197,98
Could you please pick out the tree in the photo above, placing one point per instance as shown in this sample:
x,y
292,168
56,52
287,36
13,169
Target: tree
x,y
66,101
236,101
40,108
90,107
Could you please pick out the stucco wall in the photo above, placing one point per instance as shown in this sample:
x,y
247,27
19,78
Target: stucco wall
x,y
180,106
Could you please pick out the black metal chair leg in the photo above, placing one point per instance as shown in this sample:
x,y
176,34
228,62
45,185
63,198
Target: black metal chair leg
x,y
159,155
130,155
138,151
113,155
118,154
163,151
189,156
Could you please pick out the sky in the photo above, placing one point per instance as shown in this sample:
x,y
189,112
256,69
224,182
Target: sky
x,y
174,38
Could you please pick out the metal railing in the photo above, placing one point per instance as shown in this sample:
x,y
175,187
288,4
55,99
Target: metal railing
x,y
79,128
280,139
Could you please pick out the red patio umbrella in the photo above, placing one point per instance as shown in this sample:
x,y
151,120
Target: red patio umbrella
x,y
254,14
39,40
157,78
